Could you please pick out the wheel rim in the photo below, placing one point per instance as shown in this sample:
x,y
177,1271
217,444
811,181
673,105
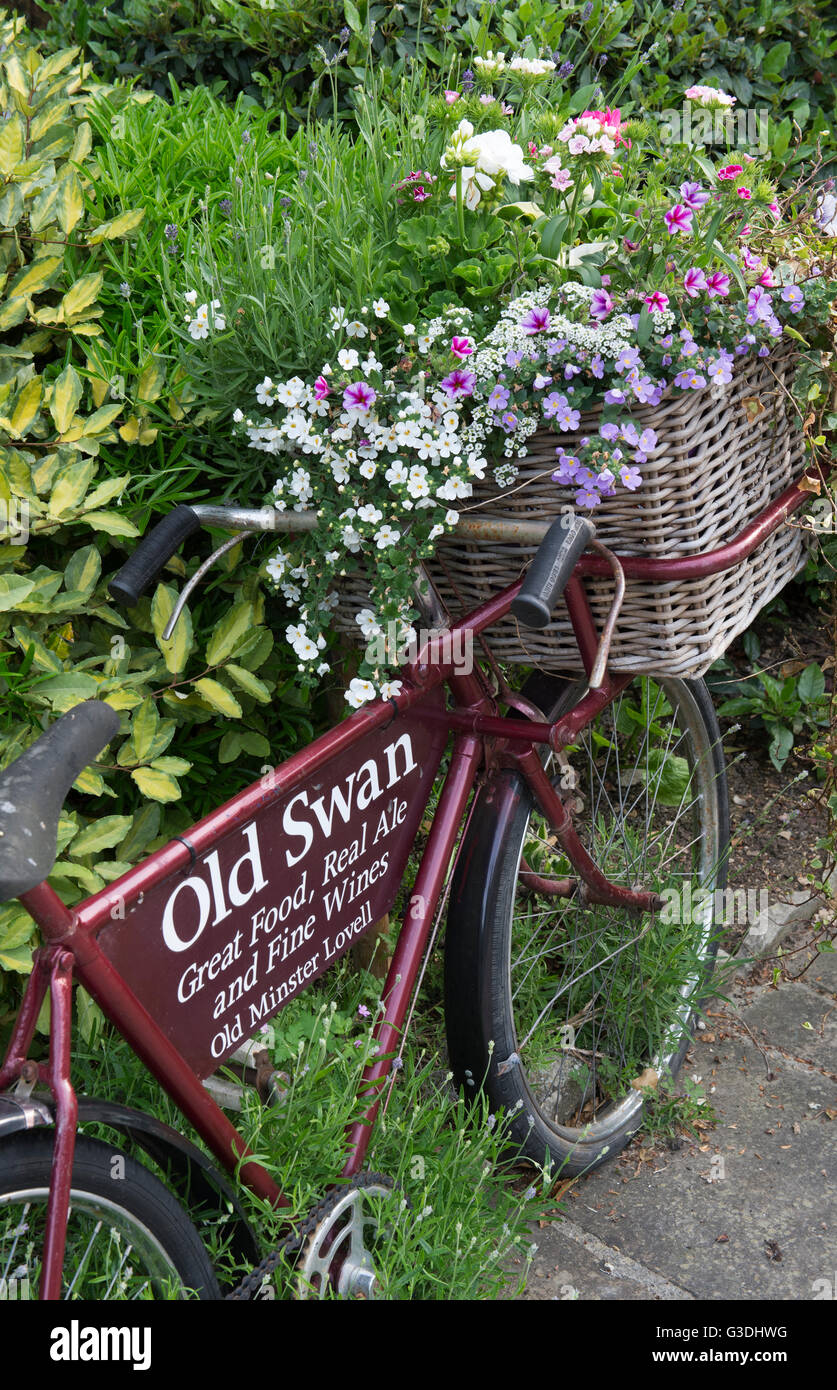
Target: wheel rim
x,y
599,997
110,1254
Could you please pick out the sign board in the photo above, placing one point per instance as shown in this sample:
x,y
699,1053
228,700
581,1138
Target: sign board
x,y
215,950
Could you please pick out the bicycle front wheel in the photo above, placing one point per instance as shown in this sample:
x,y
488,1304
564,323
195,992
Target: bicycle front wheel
x,y
567,1012
127,1237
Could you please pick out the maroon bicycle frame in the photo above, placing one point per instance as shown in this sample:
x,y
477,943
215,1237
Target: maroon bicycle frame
x,y
71,948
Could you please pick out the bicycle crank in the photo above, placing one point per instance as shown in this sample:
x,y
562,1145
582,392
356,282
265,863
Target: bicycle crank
x,y
336,1255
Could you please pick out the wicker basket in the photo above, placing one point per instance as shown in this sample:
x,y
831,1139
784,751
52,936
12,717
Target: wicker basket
x,y
721,459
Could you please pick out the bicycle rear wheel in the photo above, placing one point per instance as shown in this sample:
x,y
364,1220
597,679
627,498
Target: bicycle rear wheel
x,y
127,1237
565,1011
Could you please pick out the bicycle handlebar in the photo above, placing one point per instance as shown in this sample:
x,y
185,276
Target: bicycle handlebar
x,y
547,576
151,554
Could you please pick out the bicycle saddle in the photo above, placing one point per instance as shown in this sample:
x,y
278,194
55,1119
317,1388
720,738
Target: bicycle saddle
x,y
33,788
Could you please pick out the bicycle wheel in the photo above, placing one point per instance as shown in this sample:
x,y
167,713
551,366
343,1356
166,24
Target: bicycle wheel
x,y
127,1237
564,1011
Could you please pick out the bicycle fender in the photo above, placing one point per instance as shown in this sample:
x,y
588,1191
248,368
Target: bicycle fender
x,y
17,1114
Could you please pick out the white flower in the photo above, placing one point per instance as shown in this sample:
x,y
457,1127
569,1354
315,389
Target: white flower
x,y
396,473
263,391
408,330
825,215
425,341
348,358
191,296
381,308
532,67
371,364
369,513
451,517
238,415
276,566
367,469
198,328
450,420
338,317
323,668
386,537
477,465
356,329
219,323
390,689
436,531
360,692
365,620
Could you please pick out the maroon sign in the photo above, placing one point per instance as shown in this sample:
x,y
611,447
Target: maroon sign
x,y
214,951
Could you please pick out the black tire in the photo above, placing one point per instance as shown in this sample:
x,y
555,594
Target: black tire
x,y
127,1237
556,1008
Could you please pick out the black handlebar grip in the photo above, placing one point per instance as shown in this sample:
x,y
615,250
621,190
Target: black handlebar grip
x,y
151,554
547,576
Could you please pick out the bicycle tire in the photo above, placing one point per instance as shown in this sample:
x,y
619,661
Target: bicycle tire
x,y
127,1236
556,1039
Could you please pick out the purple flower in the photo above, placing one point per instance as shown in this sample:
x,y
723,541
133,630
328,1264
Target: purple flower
x,y
656,302
499,398
552,346
554,402
359,396
459,383
604,482
588,497
690,380
614,396
467,80
601,305
759,305
629,433
570,370
566,418
693,281
567,469
509,421
627,359
597,367
609,430
648,441
689,348
719,371
764,352
363,1011
693,195
679,219
630,478
793,296
171,231
644,388
536,321
513,358
225,206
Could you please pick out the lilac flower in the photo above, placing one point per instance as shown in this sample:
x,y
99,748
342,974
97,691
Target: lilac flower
x,y
759,305
693,281
648,441
719,372
604,482
601,305
459,383
171,231
627,359
363,1011
614,396
693,195
690,380
644,389
793,296
225,206
678,219
536,321
513,358
630,477
554,402
629,433
467,80
764,352
689,348
597,366
499,398
567,469
588,497
609,430
552,347
509,421
359,396
565,69
570,370
567,419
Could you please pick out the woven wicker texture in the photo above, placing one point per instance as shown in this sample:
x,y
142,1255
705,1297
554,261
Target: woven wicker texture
x,y
722,456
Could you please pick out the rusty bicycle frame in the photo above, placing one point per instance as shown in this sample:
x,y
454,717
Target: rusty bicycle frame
x,y
71,949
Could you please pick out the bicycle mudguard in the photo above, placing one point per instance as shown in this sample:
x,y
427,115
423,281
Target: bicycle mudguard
x,y
193,1177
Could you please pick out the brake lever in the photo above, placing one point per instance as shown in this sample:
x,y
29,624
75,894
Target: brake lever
x,y
192,584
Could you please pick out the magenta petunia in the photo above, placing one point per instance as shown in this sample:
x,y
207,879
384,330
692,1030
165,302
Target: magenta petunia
x,y
461,348
601,305
694,281
717,285
656,302
679,219
730,171
321,388
359,396
458,383
536,321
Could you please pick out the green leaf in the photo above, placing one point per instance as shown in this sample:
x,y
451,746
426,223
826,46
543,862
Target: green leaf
x,y
179,646
159,786
16,926
144,726
28,404
18,958
781,138
118,226
249,683
83,293
66,691
775,60
11,206
113,522
229,633
178,767
552,232
811,685
70,205
144,829
34,278
353,19
13,588
66,394
100,834
83,570
218,697
582,99
71,488
11,144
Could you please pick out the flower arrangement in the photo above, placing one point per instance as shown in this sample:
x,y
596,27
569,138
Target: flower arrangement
x,y
630,273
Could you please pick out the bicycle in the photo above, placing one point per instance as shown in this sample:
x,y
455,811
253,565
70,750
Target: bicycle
x,y
565,987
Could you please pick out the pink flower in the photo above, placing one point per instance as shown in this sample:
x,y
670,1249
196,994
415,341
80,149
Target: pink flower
x,y
774,208
766,278
486,99
730,171
506,110
420,194
743,192
359,397
679,219
717,285
656,302
451,97
461,348
561,180
536,321
601,305
321,388
630,245
693,281
458,383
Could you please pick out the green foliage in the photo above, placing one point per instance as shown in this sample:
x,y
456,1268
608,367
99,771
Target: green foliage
x,y
783,709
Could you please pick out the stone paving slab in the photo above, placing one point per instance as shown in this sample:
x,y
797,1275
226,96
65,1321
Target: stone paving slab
x,y
748,1212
